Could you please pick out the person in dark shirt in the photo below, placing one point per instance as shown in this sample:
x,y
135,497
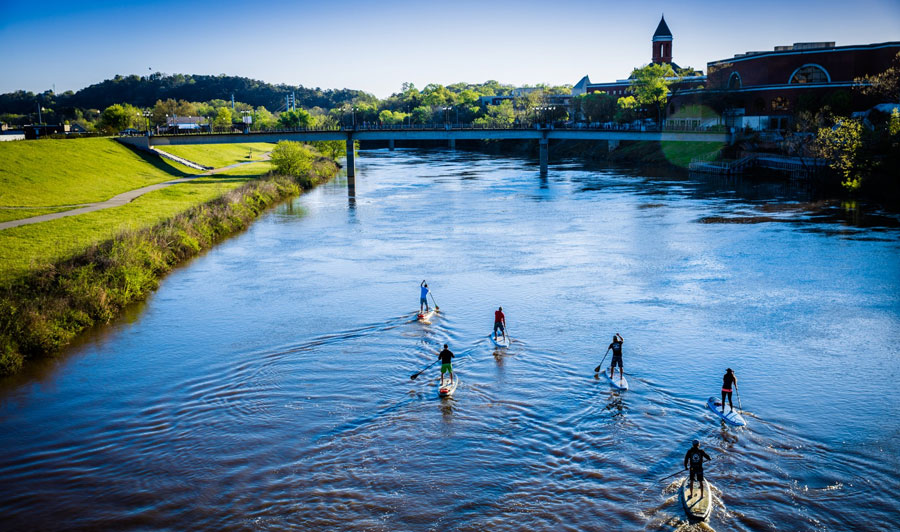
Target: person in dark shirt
x,y
693,459
616,347
499,322
446,356
728,380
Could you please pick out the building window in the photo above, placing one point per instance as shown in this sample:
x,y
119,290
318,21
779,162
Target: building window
x,y
779,103
734,82
810,74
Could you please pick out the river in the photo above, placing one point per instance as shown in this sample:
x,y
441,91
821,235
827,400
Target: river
x,y
266,384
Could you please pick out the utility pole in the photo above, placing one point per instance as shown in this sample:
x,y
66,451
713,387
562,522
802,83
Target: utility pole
x,y
232,101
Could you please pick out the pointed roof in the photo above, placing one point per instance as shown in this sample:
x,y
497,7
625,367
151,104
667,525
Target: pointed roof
x,y
663,29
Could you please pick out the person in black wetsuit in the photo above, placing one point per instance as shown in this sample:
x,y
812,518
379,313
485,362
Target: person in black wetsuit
x,y
693,459
446,356
616,347
728,381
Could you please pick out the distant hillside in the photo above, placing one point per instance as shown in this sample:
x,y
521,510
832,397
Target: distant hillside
x,y
143,91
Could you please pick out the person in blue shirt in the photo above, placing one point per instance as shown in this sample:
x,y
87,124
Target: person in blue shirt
x,y
423,297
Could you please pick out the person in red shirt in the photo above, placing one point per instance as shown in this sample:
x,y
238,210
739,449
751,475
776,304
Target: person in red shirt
x,y
499,323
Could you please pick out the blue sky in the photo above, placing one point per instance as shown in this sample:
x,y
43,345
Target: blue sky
x,y
376,46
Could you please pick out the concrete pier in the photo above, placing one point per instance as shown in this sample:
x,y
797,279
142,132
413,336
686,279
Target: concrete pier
x,y
351,163
391,144
545,154
452,144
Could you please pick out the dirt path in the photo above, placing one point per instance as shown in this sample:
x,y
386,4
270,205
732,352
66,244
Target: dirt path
x,y
117,201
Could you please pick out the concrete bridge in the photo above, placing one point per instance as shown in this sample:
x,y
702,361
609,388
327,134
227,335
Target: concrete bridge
x,y
390,135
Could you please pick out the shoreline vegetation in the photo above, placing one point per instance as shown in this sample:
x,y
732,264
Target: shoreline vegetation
x,y
52,301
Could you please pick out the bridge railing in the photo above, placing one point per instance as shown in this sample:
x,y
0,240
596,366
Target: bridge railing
x,y
448,127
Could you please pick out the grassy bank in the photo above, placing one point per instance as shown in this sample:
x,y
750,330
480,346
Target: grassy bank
x,y
52,174
44,308
219,155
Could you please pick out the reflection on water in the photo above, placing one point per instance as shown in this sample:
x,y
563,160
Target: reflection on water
x,y
266,384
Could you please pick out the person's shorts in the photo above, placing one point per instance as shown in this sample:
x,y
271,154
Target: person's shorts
x,y
446,367
697,474
498,325
423,301
725,391
616,361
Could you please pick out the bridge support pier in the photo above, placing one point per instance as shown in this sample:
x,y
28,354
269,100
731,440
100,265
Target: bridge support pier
x,y
611,145
544,144
351,163
452,144
391,144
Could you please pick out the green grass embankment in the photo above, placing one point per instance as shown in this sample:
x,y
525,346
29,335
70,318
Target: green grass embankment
x,y
219,155
55,174
61,276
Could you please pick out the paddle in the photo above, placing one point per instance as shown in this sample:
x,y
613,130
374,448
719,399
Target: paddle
x,y
739,398
414,376
673,474
597,369
436,307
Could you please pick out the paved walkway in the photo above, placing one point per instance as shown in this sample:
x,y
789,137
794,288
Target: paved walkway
x,y
117,201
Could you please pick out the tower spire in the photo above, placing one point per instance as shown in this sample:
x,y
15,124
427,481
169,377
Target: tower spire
x,y
662,42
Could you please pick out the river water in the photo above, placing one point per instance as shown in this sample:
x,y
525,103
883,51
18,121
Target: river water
x,y
266,384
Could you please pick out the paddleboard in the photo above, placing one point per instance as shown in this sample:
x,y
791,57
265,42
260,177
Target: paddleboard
x,y
447,389
617,383
730,416
500,341
695,507
425,316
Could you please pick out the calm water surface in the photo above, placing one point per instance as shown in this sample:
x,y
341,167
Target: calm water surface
x,y
266,385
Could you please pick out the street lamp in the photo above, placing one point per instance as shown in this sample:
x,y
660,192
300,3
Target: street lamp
x,y
446,115
147,115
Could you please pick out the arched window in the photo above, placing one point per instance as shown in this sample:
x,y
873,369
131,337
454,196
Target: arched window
x,y
810,74
734,81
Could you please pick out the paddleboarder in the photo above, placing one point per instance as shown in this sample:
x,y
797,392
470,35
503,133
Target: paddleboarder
x,y
423,297
499,322
728,381
616,347
445,357
693,459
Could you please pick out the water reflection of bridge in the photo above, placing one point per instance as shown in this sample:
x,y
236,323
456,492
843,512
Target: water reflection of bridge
x,y
390,135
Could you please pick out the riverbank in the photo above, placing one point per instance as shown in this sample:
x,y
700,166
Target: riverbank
x,y
48,294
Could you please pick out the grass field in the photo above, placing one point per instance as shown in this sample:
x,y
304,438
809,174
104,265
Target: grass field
x,y
7,215
54,173
46,242
85,171
219,155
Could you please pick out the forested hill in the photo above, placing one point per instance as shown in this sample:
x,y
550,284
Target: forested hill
x,y
144,91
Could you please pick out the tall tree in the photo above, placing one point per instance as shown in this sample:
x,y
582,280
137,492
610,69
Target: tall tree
x,y
650,85
885,85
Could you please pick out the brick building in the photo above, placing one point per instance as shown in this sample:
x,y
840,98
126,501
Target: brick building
x,y
763,90
661,52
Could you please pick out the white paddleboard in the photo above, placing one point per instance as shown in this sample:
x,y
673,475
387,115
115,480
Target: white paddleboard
x,y
695,507
730,416
500,341
447,389
425,316
617,382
